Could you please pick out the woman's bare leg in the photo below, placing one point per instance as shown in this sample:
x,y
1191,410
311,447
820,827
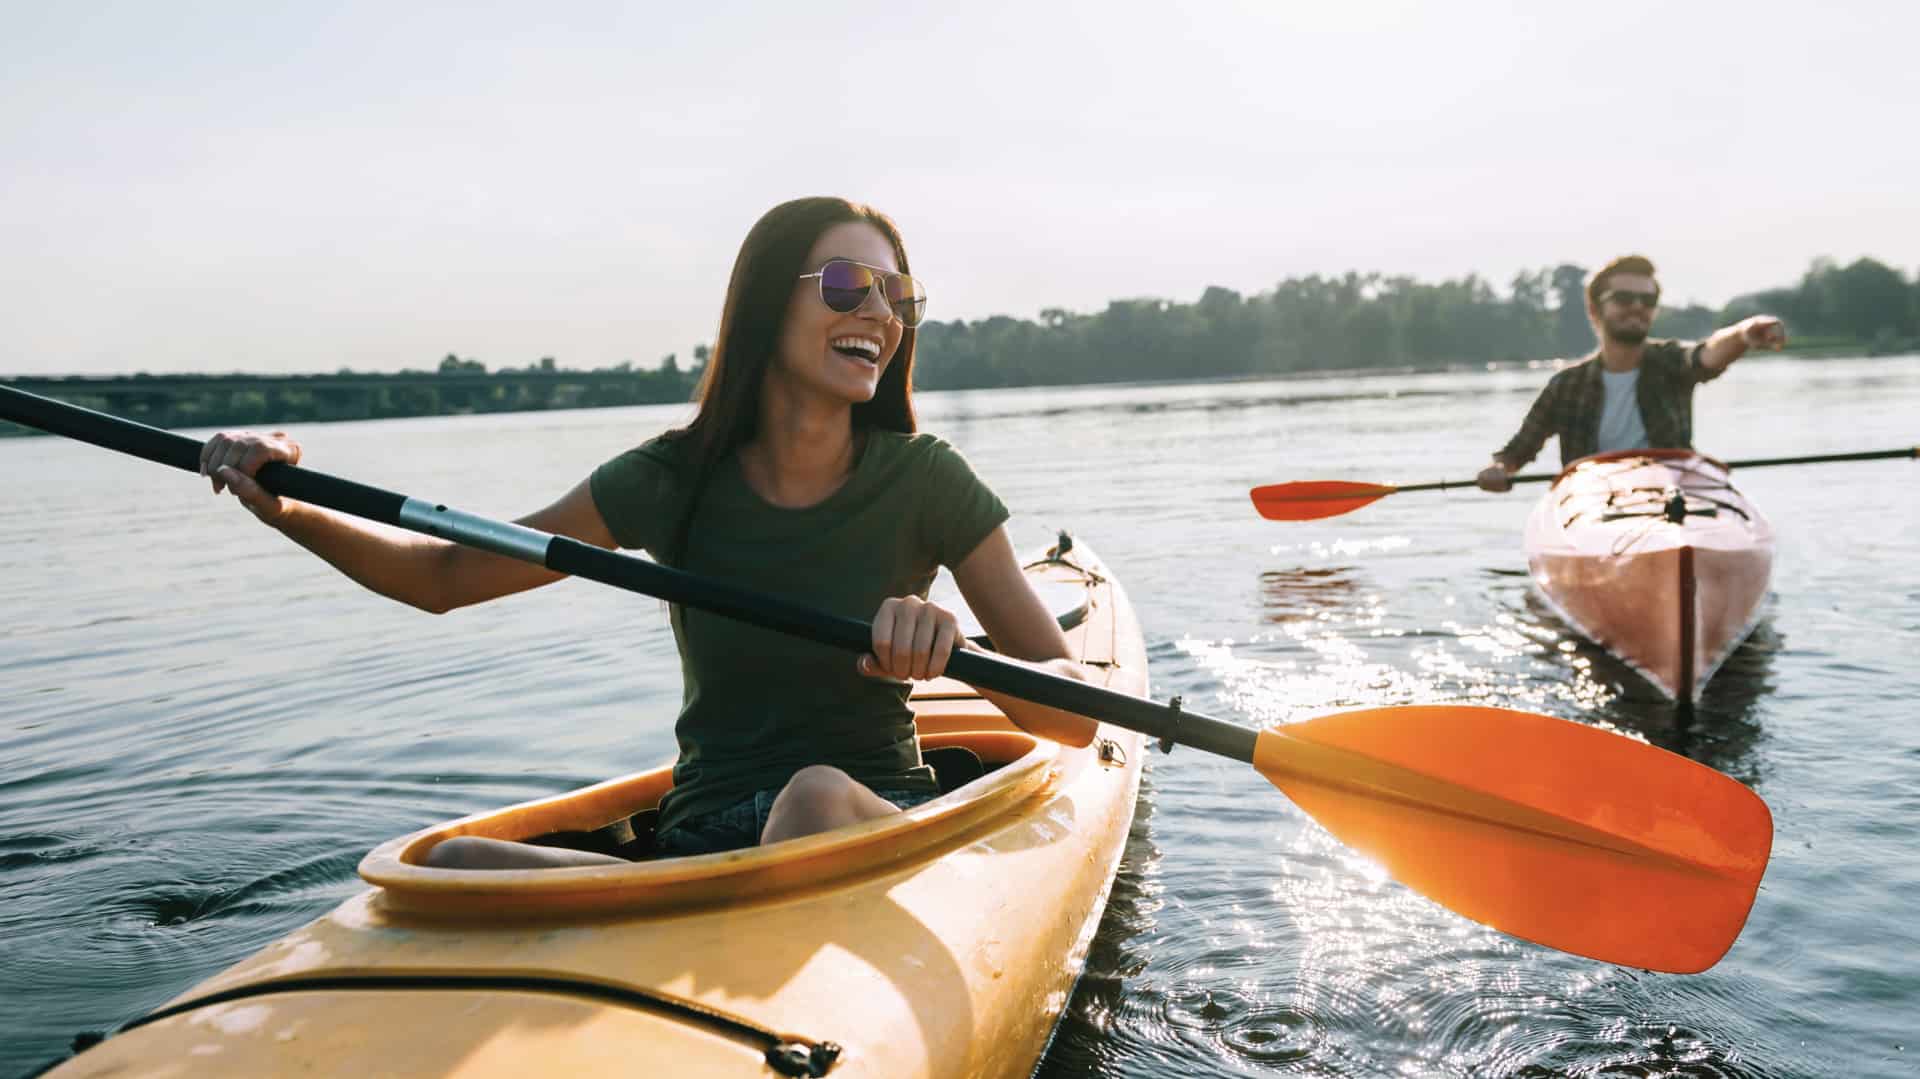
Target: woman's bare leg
x,y
818,798
474,852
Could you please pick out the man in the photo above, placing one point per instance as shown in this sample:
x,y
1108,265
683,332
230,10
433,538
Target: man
x,y
1633,393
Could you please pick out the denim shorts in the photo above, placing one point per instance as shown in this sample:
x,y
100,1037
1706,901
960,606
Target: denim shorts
x,y
740,824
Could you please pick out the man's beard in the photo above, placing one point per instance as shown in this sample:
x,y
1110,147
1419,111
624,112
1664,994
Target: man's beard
x,y
1627,335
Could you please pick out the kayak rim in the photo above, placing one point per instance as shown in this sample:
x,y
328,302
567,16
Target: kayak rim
x,y
729,878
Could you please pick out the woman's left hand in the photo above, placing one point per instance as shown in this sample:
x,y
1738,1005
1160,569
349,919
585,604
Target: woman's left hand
x,y
912,639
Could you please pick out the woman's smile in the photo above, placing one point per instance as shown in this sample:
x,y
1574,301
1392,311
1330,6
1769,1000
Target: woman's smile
x,y
855,347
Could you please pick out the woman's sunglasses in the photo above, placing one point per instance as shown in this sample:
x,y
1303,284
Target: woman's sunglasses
x,y
844,285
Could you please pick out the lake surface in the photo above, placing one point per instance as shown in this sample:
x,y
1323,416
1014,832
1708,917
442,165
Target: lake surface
x,y
204,729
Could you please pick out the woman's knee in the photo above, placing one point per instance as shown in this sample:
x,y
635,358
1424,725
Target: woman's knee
x,y
476,852
462,852
818,785
817,798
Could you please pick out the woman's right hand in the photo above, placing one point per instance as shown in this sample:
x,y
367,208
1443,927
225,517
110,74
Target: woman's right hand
x,y
1494,478
912,639
231,458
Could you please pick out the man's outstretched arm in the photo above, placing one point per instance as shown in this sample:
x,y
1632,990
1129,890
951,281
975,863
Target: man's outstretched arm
x,y
1729,343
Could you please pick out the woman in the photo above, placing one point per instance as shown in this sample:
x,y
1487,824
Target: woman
x,y
800,474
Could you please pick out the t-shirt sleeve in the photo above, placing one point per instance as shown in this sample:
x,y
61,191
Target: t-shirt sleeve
x,y
959,510
636,494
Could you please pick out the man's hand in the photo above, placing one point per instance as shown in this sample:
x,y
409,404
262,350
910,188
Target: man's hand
x,y
1494,477
1764,331
1732,342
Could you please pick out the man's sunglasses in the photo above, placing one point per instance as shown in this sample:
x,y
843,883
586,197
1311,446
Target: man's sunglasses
x,y
1627,297
844,285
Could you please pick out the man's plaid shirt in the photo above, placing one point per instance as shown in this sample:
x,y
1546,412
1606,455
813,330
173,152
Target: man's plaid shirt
x,y
1570,406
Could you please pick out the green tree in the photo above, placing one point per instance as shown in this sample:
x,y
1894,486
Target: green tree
x,y
1871,300
1572,333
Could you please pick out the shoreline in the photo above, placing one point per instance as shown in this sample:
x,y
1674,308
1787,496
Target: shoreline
x,y
239,399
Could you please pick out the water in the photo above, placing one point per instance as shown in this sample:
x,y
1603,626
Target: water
x,y
204,728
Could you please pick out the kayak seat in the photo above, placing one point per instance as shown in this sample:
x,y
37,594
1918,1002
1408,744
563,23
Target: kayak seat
x,y
953,766
629,837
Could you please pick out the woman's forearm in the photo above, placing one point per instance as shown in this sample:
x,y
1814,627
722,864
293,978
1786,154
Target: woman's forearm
x,y
1054,724
420,571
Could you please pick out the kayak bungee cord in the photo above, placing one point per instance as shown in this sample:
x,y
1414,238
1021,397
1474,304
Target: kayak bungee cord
x,y
786,1054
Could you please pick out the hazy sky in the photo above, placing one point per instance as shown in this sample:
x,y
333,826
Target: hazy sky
x,y
307,186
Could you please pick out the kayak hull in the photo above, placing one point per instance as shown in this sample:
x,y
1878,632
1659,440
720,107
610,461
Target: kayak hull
x,y
1671,598
943,941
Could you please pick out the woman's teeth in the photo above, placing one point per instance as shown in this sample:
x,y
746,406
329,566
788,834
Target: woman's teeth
x,y
858,348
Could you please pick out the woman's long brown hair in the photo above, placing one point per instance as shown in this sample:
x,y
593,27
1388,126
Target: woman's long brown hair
x,y
764,276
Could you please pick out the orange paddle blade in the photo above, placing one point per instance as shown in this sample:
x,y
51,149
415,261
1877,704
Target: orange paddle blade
x,y
1552,831
1310,500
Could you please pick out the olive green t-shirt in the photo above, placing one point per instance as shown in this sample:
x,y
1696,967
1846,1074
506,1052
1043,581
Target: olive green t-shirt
x,y
759,705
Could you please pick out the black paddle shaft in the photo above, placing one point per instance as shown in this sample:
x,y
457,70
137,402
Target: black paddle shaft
x,y
564,554
1760,462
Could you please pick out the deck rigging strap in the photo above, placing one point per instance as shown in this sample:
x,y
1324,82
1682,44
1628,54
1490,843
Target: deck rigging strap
x,y
1667,511
786,1054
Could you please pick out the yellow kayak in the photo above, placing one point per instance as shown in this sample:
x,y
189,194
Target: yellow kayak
x,y
944,941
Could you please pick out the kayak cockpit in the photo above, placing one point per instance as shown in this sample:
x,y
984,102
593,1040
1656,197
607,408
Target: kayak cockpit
x,y
1632,499
1016,769
1011,777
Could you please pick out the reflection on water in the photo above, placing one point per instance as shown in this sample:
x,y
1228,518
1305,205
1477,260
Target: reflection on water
x,y
1720,730
1725,727
1292,595
1100,1008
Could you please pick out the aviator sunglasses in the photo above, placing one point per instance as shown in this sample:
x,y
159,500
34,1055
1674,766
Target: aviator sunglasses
x,y
844,285
1625,297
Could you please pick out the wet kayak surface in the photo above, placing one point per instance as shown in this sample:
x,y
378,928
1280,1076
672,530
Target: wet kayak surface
x,y
206,729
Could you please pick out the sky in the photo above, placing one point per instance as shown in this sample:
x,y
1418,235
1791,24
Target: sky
x,y
291,188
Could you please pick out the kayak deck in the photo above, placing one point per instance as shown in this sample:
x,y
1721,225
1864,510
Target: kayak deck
x,y
1654,555
944,940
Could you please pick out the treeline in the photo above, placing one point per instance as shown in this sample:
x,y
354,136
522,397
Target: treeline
x,y
1351,322
1361,321
1865,302
458,387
